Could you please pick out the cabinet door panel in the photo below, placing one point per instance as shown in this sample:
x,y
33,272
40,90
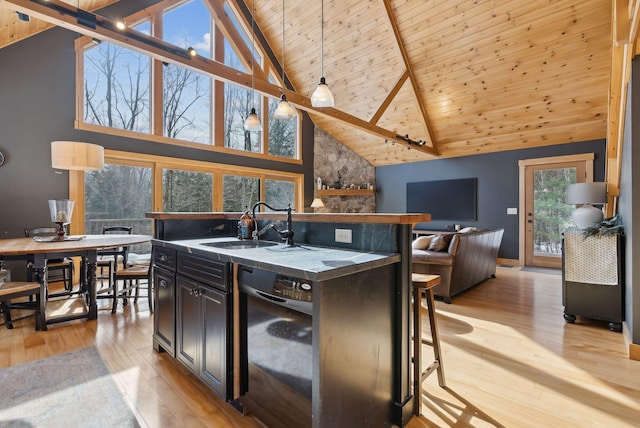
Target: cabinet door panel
x,y
214,337
188,323
165,314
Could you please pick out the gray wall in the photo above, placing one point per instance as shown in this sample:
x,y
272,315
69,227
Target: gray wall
x,y
37,83
498,185
628,204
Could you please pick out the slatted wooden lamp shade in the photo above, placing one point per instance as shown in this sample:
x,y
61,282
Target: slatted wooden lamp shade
x,y
73,155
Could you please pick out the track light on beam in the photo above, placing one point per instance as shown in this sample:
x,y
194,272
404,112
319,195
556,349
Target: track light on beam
x,y
23,17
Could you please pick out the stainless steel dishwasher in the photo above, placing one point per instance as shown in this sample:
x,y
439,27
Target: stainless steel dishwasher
x,y
276,345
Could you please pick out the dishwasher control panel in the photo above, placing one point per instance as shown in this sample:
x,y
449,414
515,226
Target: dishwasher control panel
x,y
292,288
275,284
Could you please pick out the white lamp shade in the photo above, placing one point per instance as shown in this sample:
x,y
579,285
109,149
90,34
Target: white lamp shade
x,y
317,203
252,123
322,96
284,110
586,193
73,155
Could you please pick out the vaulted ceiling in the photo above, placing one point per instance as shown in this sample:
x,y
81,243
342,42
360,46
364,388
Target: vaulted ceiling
x,y
465,77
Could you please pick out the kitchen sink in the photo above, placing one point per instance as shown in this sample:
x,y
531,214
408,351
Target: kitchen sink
x,y
239,245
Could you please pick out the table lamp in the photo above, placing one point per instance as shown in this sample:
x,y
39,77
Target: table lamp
x,y
317,203
61,210
586,194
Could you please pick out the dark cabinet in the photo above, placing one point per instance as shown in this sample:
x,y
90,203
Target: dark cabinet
x,y
164,331
203,328
164,321
592,277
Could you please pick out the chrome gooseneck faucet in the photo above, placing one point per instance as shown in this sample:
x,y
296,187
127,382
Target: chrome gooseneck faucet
x,y
285,234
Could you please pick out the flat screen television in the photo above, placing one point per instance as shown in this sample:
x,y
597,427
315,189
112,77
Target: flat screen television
x,y
444,199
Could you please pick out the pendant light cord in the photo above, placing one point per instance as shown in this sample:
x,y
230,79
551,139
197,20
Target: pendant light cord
x,y
322,39
253,55
283,83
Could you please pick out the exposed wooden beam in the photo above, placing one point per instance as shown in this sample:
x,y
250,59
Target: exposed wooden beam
x,y
626,16
414,83
390,96
229,30
63,15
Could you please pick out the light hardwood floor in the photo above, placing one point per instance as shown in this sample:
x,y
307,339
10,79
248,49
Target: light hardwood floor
x,y
510,360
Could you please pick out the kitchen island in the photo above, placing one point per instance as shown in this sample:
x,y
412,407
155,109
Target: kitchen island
x,y
360,360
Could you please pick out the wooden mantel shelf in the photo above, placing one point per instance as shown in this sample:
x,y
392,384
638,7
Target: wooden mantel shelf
x,y
346,192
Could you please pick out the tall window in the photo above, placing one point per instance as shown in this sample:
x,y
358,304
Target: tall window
x,y
118,195
186,191
279,193
116,89
186,96
240,192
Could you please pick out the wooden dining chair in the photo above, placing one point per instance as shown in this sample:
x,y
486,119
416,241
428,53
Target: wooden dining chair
x,y
15,289
107,263
58,270
130,278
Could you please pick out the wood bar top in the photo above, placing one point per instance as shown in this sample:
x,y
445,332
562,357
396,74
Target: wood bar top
x,y
373,218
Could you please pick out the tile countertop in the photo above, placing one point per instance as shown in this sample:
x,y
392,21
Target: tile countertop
x,y
302,261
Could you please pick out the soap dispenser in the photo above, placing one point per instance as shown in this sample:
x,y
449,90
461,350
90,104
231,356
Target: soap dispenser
x,y
245,225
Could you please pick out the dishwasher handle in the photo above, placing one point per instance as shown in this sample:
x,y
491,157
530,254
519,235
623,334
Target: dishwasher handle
x,y
270,297
296,305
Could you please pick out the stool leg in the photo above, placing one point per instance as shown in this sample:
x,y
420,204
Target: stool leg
x,y
417,355
435,339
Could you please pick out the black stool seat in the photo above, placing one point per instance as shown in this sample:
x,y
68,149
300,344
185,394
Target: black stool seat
x,y
424,283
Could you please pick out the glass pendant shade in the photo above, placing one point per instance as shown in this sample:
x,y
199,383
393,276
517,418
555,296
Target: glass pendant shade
x,y
284,110
252,123
322,96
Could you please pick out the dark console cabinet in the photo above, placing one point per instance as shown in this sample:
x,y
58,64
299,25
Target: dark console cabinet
x,y
592,277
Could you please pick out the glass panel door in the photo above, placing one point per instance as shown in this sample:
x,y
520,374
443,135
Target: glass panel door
x,y
547,214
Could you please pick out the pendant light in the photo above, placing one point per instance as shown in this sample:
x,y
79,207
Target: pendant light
x,y
252,123
76,155
284,110
322,96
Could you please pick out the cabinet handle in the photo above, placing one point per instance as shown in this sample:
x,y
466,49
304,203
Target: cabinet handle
x,y
163,257
163,283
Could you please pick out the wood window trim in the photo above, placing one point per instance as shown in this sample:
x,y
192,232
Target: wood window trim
x,y
588,158
159,163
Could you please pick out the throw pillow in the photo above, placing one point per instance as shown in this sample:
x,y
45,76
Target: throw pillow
x,y
440,243
468,229
422,242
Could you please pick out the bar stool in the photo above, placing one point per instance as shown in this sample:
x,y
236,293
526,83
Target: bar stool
x,y
424,283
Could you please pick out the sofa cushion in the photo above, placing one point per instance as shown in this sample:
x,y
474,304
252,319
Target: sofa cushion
x,y
440,243
468,229
422,242
432,257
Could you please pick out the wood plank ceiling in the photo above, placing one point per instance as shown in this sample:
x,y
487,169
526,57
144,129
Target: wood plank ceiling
x,y
465,77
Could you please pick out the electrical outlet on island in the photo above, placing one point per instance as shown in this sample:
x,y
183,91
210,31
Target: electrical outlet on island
x,y
343,235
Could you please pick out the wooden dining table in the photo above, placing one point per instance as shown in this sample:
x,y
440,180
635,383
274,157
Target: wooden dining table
x,y
85,246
